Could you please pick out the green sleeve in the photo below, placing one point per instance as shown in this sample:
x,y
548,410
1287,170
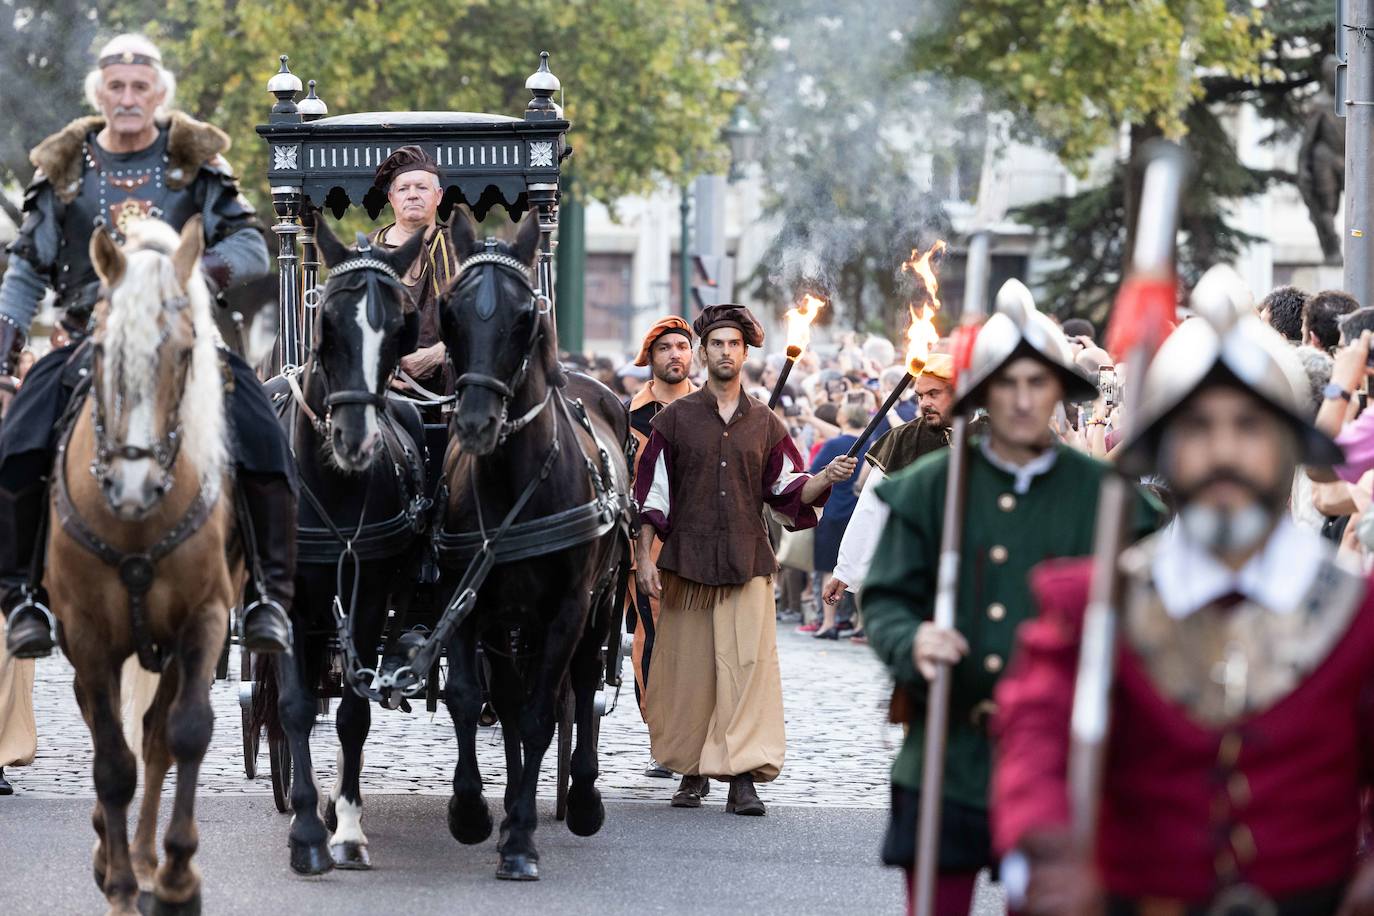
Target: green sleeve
x,y
1150,514
898,593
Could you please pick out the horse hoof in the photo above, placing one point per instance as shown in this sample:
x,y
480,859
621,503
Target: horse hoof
x,y
189,908
310,858
586,814
331,817
517,867
469,823
350,856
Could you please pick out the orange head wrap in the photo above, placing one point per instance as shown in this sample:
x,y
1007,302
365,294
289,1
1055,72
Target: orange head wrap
x,y
672,324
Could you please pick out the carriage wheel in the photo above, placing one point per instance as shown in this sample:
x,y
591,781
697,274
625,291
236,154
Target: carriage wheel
x,y
566,721
279,755
247,690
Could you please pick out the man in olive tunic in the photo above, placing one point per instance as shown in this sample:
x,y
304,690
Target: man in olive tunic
x,y
1028,498
414,186
714,459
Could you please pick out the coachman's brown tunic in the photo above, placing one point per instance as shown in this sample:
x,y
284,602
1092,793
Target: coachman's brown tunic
x,y
434,271
715,708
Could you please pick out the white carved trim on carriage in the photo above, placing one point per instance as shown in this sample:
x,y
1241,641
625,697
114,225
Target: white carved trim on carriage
x,y
541,154
284,157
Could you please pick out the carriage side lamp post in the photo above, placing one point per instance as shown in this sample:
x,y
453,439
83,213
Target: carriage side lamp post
x,y
543,196
311,108
286,202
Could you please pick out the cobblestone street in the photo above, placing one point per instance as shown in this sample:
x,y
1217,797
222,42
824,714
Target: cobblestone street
x,y
838,742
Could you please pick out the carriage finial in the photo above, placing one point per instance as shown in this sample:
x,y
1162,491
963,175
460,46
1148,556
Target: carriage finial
x,y
284,85
542,84
312,107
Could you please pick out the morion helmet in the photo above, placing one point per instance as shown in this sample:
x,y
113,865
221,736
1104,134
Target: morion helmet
x,y
1015,330
1227,344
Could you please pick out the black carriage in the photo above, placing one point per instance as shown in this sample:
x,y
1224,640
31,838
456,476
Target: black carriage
x,y
329,163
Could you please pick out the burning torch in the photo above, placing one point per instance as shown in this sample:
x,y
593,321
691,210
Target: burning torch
x,y
920,337
799,322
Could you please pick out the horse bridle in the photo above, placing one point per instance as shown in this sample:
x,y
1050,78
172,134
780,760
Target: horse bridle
x,y
491,260
165,450
376,271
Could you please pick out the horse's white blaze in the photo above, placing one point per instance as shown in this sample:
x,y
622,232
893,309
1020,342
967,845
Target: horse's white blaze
x,y
372,362
350,828
132,475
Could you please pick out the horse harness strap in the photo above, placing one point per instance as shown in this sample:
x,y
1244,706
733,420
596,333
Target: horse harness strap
x,y
136,570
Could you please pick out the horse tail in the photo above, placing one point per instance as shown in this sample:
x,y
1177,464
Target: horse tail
x,y
137,689
263,712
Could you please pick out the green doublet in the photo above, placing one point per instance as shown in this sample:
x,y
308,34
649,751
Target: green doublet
x,y
1006,534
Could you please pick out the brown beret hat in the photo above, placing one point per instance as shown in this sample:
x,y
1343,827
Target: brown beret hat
x,y
405,159
729,315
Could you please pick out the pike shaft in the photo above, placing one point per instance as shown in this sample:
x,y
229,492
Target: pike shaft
x,y
937,705
878,417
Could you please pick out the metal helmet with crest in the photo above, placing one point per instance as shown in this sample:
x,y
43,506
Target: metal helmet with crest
x,y
1018,329
1226,344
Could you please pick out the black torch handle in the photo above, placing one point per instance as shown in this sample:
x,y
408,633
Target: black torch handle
x,y
878,417
782,380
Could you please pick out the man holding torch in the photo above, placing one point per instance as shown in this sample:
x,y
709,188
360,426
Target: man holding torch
x,y
1027,498
714,459
1242,709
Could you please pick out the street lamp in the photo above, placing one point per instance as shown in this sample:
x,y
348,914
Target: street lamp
x,y
742,133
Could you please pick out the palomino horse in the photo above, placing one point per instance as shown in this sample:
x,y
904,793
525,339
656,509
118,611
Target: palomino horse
x,y
140,482
360,521
538,474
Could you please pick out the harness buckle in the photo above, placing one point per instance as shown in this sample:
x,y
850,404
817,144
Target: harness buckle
x,y
136,572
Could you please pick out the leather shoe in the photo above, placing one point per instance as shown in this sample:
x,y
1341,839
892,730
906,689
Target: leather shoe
x,y
657,770
5,787
28,634
266,628
743,799
691,791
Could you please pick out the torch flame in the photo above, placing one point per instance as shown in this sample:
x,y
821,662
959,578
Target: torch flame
x,y
920,337
919,264
921,334
799,322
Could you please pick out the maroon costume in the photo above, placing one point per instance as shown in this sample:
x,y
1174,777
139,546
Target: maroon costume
x,y
1269,800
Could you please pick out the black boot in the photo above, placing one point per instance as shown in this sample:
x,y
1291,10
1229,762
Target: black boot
x,y
271,506
5,787
691,791
743,798
29,633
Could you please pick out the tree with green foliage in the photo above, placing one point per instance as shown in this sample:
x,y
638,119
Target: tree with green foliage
x,y
648,85
1074,74
1087,231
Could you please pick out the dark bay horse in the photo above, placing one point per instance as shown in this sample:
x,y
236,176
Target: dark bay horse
x,y
142,558
362,483
544,453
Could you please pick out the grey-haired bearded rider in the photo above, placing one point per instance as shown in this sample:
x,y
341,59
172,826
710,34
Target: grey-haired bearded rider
x,y
136,160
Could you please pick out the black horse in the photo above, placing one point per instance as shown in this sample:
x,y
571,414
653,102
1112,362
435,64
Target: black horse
x,y
361,483
544,454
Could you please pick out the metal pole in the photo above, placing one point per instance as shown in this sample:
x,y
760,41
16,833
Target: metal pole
x,y
684,266
1359,139
286,201
310,284
946,601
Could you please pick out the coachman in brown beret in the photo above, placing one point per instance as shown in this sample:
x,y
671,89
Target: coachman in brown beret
x,y
405,159
729,315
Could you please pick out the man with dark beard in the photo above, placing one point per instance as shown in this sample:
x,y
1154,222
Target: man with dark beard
x,y
667,351
892,452
714,459
1243,705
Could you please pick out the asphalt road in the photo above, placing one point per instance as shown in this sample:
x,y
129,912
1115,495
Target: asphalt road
x,y
649,858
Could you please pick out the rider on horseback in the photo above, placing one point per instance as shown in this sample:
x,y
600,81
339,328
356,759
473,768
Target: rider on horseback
x,y
139,160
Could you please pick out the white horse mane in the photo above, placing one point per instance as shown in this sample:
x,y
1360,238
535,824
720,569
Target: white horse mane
x,y
132,337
